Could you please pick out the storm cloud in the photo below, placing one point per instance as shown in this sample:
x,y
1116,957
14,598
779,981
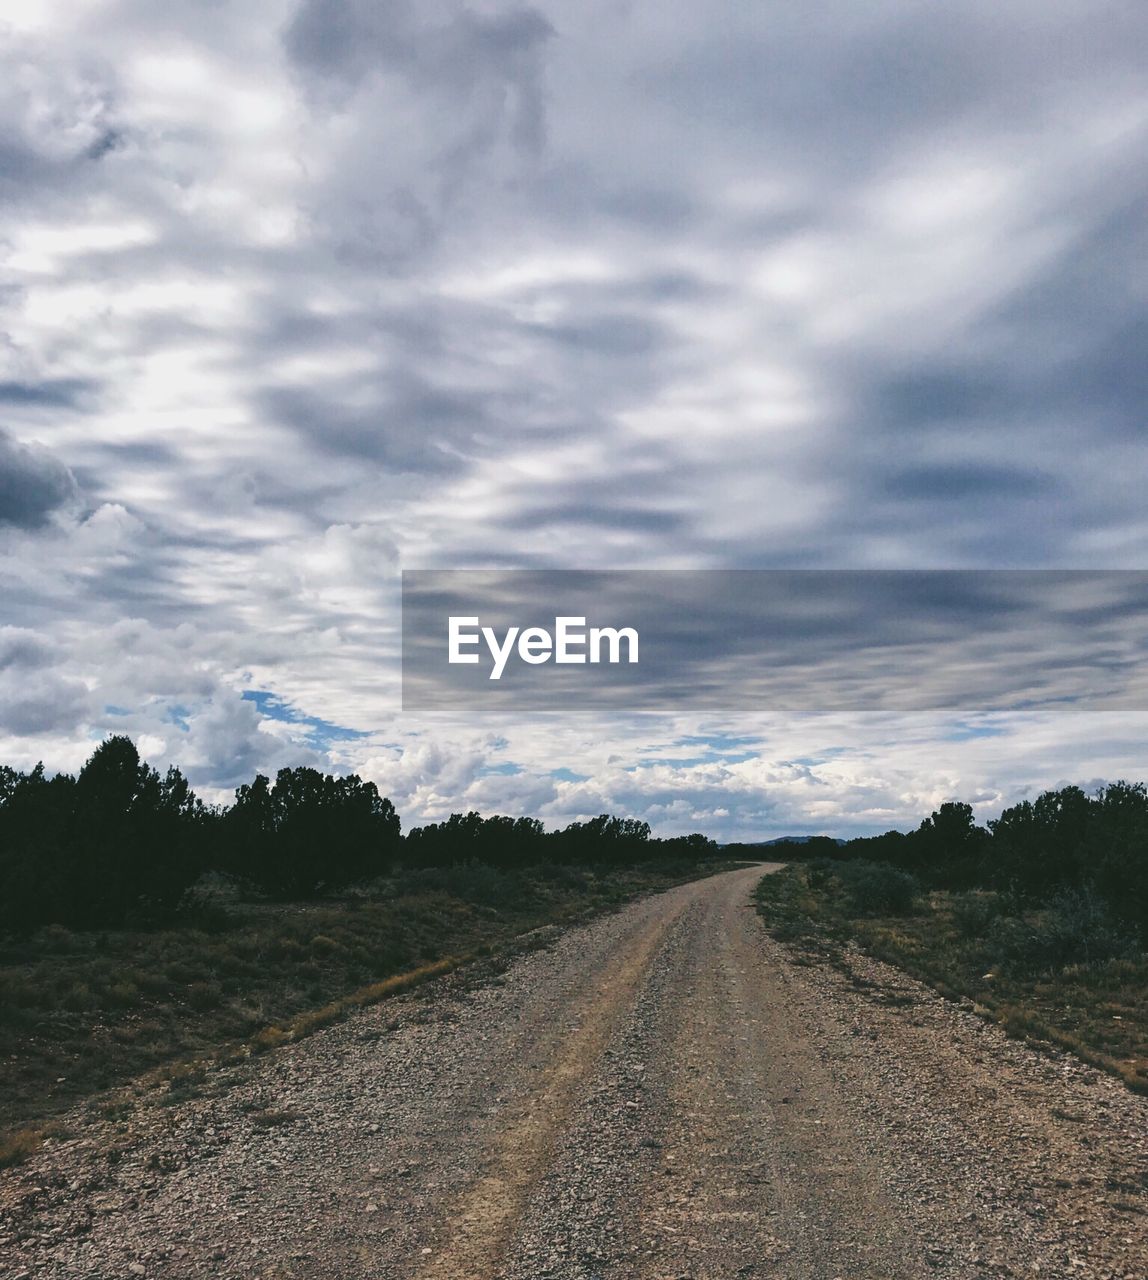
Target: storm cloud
x,y
33,484
299,293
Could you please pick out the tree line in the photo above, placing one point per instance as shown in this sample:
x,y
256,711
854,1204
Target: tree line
x,y
509,842
121,844
1066,840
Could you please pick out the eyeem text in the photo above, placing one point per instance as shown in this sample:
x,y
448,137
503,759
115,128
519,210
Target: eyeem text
x,y
570,641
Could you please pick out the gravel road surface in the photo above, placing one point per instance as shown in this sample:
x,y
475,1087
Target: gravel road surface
x,y
663,1094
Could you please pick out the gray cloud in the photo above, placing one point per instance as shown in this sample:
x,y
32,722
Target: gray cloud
x,y
469,86
24,649
456,52
305,291
35,696
57,123
52,393
42,704
590,512
33,484
965,482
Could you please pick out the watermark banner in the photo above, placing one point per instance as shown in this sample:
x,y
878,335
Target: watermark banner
x,y
793,641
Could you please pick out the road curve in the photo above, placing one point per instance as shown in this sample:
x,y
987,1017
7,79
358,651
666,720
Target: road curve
x,y
663,1094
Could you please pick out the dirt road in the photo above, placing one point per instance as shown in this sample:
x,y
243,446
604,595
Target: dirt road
x,y
661,1094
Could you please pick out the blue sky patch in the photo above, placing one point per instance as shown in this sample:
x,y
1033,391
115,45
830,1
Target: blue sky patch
x,y
320,733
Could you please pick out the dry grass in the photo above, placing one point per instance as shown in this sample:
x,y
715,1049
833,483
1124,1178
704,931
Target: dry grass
x,y
81,1013
18,1145
313,1020
1028,970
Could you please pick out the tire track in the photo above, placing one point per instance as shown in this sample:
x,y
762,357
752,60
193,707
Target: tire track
x,y
664,1094
770,1178
483,1220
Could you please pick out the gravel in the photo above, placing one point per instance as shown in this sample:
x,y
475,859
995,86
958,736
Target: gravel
x,y
664,1093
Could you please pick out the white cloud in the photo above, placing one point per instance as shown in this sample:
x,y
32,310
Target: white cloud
x,y
295,294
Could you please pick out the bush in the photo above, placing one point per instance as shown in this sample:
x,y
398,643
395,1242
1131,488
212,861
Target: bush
x,y
203,996
564,875
1075,927
122,995
56,938
974,912
877,889
78,998
17,992
476,882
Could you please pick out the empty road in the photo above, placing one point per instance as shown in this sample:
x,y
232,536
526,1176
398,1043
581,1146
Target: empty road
x,y
664,1093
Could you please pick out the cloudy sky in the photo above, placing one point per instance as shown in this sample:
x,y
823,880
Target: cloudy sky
x,y
298,295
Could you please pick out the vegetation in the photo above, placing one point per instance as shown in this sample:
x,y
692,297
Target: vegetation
x,y
1065,841
86,1010
119,846
510,842
140,928
1041,918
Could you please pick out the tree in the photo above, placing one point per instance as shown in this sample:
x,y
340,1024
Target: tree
x,y
1038,847
1118,850
948,846
36,856
310,831
134,838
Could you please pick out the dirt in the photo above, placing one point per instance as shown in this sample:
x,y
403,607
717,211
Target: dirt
x,y
665,1093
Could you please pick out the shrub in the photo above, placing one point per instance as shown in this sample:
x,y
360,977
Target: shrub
x,y
122,995
974,912
57,938
78,998
285,949
269,1038
203,996
565,875
476,882
821,872
17,992
1075,927
877,889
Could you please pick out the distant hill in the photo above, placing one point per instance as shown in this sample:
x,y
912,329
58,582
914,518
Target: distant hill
x,y
765,844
